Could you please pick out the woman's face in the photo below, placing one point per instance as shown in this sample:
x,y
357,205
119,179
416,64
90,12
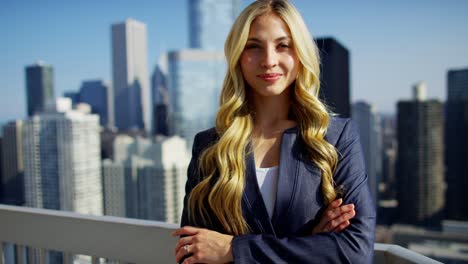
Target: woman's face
x,y
269,62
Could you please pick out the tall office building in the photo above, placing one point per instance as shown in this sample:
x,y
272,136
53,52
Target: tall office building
x,y
195,82
389,152
334,75
62,165
12,163
367,120
456,139
97,94
39,87
160,91
420,164
146,180
1,171
210,22
130,76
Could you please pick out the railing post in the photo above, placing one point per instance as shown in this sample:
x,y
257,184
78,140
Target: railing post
x,y
42,256
94,260
2,256
67,258
19,254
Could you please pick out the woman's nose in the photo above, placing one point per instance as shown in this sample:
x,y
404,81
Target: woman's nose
x,y
270,59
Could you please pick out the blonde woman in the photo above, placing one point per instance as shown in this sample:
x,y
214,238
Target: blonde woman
x,y
263,185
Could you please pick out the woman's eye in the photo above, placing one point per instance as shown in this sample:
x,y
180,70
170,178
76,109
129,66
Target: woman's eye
x,y
283,46
252,46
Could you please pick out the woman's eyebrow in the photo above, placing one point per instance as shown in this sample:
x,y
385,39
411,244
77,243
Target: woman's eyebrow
x,y
254,39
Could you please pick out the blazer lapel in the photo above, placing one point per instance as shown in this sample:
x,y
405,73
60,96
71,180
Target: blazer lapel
x,y
287,178
253,205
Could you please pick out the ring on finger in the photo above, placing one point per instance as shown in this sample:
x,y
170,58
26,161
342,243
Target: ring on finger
x,y
186,248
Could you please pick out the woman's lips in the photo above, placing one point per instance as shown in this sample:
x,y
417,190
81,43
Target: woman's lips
x,y
270,77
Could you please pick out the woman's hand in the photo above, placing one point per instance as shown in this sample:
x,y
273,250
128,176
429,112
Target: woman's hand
x,y
204,246
335,218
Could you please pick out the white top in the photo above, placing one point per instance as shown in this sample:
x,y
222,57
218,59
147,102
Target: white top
x,y
267,179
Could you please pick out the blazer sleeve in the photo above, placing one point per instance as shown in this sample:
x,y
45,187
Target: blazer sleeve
x,y
191,177
353,245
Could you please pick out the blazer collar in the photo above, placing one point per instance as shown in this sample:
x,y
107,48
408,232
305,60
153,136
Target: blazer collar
x,y
287,180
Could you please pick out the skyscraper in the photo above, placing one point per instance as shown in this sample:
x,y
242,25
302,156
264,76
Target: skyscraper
x,y
210,22
146,179
160,91
130,76
420,164
334,75
96,94
62,165
195,82
389,152
39,87
456,139
367,120
1,171
13,178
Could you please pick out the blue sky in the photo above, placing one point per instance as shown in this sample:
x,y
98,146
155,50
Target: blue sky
x,y
393,44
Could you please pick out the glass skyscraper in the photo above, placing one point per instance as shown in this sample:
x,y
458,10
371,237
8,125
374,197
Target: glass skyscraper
x,y
210,22
334,76
456,141
195,81
39,87
96,94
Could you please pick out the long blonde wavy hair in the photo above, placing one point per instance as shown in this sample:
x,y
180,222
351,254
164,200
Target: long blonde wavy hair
x,y
222,165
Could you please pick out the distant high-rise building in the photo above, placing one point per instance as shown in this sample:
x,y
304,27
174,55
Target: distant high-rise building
x,y
368,123
13,178
1,171
74,96
146,179
210,22
420,160
62,165
130,76
39,87
160,98
96,94
195,79
389,152
456,142
334,76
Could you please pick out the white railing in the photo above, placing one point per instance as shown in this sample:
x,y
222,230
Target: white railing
x,y
122,239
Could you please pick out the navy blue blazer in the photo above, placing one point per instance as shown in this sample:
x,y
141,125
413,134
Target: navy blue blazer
x,y
299,203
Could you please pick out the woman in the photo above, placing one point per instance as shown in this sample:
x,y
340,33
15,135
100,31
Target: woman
x,y
263,184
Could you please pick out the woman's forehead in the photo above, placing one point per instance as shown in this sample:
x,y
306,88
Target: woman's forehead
x,y
269,26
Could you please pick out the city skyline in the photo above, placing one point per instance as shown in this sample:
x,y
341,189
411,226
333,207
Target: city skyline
x,y
392,45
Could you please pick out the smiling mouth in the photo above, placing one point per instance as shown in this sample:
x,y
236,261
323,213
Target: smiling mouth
x,y
270,77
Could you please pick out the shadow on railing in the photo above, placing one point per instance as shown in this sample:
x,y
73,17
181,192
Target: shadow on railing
x,y
122,239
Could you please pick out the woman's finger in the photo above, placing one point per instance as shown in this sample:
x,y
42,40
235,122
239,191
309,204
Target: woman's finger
x,y
337,212
186,230
182,242
341,227
324,219
340,220
184,251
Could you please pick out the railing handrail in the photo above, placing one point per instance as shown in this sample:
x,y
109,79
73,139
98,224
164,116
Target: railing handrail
x,y
390,253
123,239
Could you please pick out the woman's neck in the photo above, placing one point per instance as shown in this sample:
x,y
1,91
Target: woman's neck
x,y
271,113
